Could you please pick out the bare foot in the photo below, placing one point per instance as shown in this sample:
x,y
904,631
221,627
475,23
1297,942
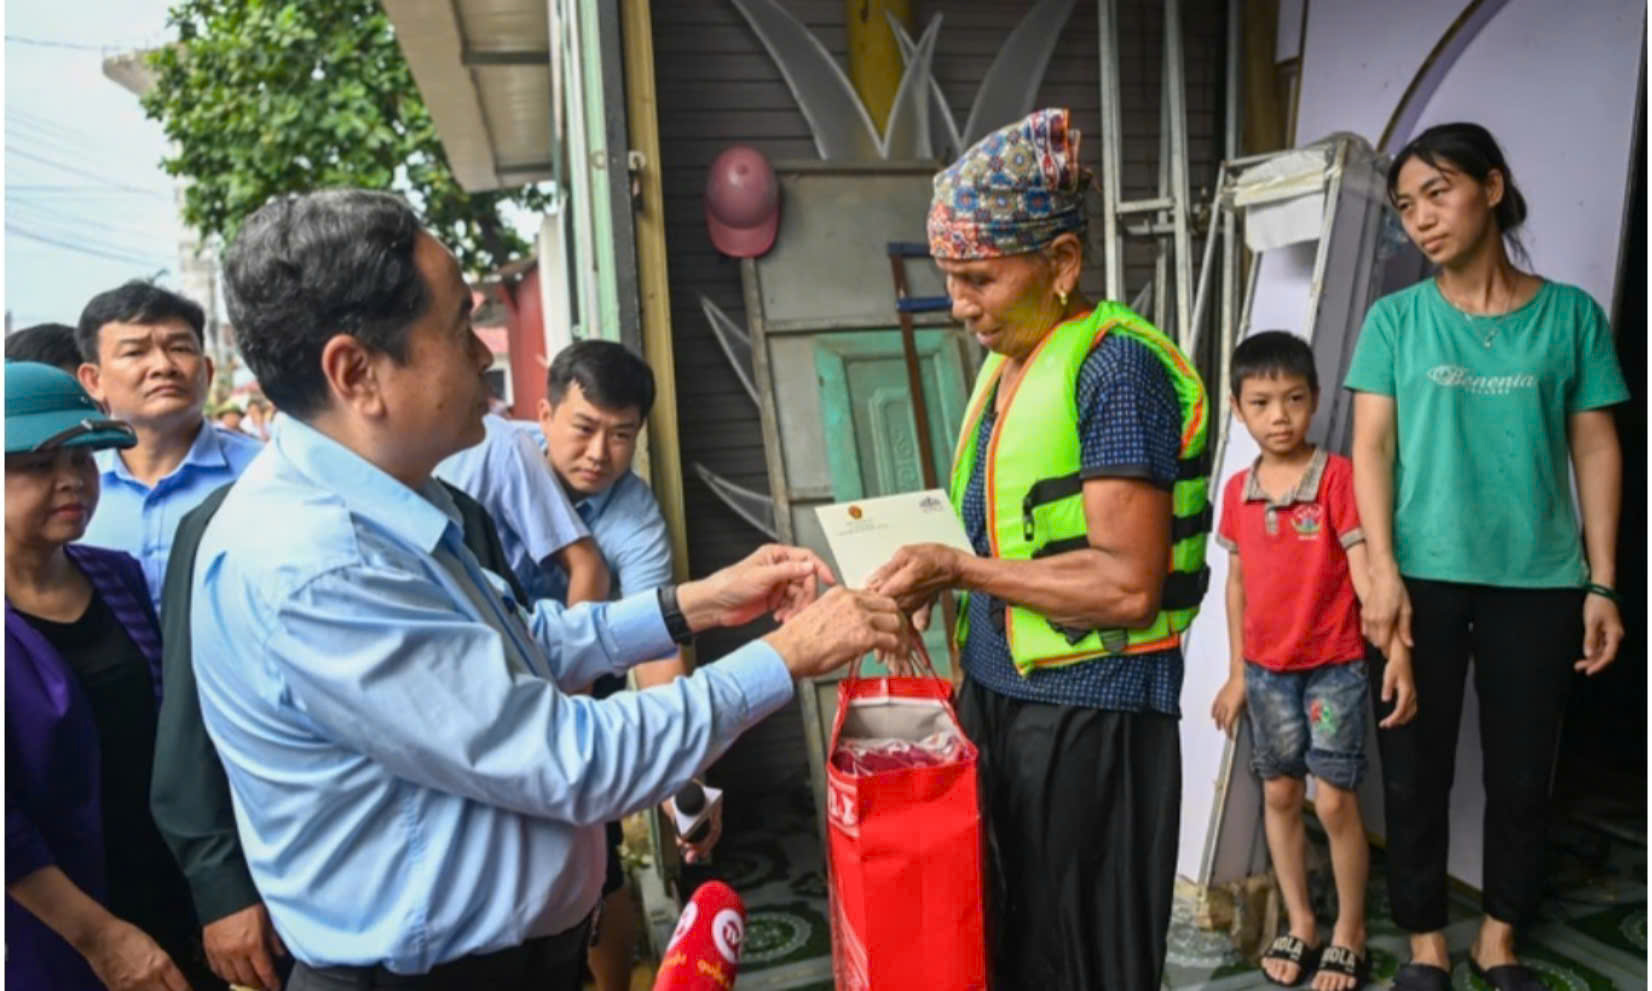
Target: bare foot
x,y
1353,939
1285,971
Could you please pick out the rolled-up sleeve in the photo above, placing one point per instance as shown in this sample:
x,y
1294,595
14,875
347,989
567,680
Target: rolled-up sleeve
x,y
381,661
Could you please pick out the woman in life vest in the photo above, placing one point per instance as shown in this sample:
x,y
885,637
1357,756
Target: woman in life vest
x,y
1476,389
1080,478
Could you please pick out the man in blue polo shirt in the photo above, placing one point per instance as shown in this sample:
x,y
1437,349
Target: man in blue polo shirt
x,y
145,361
597,398
550,550
598,395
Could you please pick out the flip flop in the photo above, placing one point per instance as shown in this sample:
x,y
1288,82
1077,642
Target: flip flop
x,y
1421,977
1344,962
1291,950
1507,977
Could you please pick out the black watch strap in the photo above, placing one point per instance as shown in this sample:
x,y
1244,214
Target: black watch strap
x,y
676,623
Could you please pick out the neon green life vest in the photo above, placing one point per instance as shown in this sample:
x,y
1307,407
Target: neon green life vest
x,y
1034,495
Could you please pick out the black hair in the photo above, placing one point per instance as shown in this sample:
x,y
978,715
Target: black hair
x,y
1471,150
308,266
48,343
136,302
1272,353
607,372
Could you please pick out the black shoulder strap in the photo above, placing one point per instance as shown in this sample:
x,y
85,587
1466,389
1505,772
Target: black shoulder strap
x,y
482,537
177,589
189,793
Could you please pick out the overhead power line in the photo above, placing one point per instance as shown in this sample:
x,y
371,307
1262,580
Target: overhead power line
x,y
43,160
57,125
17,39
83,249
101,222
132,246
77,145
71,190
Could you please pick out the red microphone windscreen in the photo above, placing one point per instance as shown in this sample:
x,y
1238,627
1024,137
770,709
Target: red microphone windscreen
x,y
704,953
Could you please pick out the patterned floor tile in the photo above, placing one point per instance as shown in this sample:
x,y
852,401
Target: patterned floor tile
x,y
1594,929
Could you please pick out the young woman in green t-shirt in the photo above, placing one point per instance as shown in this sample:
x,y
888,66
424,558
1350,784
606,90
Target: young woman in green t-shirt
x,y
1474,391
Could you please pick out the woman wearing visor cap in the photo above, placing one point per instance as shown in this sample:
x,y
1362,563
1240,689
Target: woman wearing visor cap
x,y
96,899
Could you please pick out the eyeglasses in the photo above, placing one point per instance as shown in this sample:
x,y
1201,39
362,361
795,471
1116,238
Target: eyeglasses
x,y
84,427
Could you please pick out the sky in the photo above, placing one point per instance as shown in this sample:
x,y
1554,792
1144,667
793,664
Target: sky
x,y
87,205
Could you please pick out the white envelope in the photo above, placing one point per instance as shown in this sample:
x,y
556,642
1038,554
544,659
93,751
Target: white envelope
x,y
864,534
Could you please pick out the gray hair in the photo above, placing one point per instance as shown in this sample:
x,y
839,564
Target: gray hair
x,y
308,266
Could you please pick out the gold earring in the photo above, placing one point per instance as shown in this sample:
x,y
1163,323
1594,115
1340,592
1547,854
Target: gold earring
x,y
1061,295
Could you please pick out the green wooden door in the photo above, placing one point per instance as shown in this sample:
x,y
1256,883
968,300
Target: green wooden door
x,y
871,435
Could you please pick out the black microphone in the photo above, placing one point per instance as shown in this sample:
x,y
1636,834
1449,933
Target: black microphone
x,y
690,803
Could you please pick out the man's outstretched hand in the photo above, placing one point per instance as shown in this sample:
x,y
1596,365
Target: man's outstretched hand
x,y
774,579
841,627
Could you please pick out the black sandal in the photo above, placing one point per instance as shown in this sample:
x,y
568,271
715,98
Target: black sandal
x,y
1343,962
1507,977
1421,977
1291,950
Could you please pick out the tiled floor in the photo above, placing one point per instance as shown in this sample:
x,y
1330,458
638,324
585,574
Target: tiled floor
x,y
1592,936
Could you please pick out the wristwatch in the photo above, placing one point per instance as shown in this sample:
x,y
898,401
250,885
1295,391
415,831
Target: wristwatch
x,y
676,623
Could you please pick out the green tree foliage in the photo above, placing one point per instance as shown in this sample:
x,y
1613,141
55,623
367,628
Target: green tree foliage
x,y
266,98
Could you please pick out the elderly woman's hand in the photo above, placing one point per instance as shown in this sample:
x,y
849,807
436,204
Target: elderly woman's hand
x,y
125,958
916,574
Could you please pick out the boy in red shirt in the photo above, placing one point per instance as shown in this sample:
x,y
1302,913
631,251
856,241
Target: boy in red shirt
x,y
1297,573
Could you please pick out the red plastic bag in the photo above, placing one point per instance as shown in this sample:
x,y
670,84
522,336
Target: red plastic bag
x,y
904,840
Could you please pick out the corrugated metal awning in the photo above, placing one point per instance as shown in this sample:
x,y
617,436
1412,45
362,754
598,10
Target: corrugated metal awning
x,y
483,68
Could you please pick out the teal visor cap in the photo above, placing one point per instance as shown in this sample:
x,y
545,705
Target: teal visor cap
x,y
47,409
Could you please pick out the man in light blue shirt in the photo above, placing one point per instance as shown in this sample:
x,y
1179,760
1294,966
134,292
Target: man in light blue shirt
x,y
144,361
597,398
549,547
415,791
598,395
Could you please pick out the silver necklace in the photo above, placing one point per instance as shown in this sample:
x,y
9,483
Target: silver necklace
x,y
1483,326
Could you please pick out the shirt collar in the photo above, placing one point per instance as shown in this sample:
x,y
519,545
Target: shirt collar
x,y
206,451
592,506
1306,490
418,517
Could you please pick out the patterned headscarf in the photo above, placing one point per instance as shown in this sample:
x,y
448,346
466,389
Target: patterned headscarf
x,y
1015,191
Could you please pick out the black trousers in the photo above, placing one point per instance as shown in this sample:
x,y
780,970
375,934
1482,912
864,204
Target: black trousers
x,y
1524,642
1082,808
549,963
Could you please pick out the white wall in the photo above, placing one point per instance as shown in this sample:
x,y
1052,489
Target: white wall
x,y
1556,83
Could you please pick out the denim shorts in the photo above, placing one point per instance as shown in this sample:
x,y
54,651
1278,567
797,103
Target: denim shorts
x,y
1308,722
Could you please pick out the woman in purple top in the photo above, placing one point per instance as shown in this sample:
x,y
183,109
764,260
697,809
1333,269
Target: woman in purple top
x,y
94,898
